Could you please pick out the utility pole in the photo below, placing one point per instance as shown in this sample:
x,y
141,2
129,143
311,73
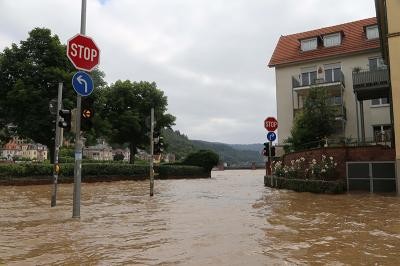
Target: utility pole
x,y
151,152
76,209
57,145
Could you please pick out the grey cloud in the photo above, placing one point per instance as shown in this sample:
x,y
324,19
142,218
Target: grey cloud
x,y
209,56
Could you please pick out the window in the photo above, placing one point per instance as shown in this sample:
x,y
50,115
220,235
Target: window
x,y
372,32
380,101
382,133
333,72
308,76
332,40
309,44
376,63
335,100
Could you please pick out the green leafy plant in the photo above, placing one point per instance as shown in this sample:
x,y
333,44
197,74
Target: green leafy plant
x,y
203,158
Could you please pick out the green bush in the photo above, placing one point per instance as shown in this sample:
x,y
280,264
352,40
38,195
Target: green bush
x,y
118,157
168,170
67,169
203,158
66,152
303,185
101,170
66,159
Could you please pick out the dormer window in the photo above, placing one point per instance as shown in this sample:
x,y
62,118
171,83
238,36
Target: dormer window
x,y
372,32
309,44
332,40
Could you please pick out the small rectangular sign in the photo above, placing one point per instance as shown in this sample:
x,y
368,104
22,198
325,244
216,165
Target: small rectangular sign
x,y
78,156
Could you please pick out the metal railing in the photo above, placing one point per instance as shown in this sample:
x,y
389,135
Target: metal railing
x,y
297,82
370,78
339,110
338,142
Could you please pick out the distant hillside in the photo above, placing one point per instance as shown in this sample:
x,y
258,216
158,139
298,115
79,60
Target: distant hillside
x,y
181,146
230,155
248,147
178,143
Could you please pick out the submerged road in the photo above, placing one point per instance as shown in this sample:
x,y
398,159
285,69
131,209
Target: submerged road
x,y
230,219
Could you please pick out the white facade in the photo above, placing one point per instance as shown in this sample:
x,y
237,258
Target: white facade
x,y
17,148
288,98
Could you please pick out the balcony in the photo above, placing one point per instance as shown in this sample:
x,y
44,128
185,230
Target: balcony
x,y
340,112
338,81
371,84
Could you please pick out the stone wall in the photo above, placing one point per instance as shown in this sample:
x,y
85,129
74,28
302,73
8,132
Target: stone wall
x,y
342,155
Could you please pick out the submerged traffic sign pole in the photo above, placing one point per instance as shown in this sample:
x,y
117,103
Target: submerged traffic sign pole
x,y
270,124
84,54
76,207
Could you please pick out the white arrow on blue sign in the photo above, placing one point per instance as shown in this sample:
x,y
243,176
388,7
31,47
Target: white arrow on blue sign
x,y
82,83
271,136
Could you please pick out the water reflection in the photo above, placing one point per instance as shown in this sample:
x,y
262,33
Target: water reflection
x,y
231,219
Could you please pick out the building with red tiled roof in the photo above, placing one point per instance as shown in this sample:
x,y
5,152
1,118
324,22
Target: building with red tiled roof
x,y
346,59
353,40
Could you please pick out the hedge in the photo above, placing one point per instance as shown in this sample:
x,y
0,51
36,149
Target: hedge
x,y
37,171
306,185
180,171
72,160
67,169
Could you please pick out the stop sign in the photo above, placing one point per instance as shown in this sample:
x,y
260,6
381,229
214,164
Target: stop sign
x,y
270,124
83,52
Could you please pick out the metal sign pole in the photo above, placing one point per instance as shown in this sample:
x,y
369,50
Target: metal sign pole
x,y
151,152
270,162
76,209
57,141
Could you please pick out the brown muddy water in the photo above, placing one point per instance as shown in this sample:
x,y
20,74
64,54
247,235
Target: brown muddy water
x,y
230,219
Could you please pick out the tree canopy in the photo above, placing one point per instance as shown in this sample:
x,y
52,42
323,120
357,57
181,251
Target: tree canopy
x,y
315,122
29,77
126,109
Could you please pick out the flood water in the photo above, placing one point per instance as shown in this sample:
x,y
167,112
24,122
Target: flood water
x,y
230,219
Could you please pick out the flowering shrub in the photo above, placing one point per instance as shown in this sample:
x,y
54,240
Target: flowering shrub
x,y
278,169
294,170
323,169
300,168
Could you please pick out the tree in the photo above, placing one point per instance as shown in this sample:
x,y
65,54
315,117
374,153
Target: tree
x,y
29,76
28,80
203,158
314,123
118,157
127,108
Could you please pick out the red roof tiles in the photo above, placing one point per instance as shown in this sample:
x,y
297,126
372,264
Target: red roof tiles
x,y
353,41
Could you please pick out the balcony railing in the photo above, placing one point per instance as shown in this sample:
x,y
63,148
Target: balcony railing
x,y
339,110
370,78
296,82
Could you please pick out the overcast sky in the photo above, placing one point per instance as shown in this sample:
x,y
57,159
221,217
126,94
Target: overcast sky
x,y
208,56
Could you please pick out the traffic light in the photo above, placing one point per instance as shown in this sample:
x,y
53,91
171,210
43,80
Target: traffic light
x,y
65,119
87,113
158,143
266,149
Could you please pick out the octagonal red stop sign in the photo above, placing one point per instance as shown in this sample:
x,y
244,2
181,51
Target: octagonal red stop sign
x,y
270,124
83,52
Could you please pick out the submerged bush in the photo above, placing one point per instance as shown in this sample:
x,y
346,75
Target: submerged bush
x,y
203,158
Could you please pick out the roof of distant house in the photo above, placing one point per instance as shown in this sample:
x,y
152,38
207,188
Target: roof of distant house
x,y
354,40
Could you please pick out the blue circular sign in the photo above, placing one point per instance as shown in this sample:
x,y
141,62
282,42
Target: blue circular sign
x,y
82,83
271,136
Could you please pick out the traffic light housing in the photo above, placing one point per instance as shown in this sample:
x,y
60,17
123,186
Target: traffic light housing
x,y
266,149
87,113
65,119
158,141
272,151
